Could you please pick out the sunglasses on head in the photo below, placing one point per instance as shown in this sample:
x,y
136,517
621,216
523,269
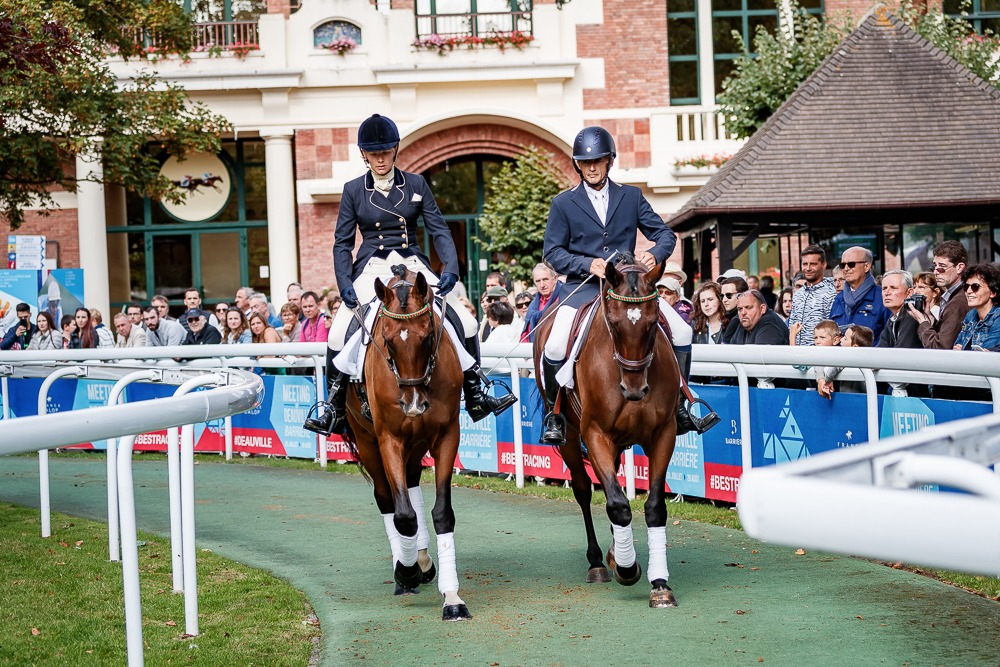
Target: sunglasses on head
x,y
849,265
973,287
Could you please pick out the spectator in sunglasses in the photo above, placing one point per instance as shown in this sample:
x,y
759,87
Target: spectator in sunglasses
x,y
981,327
860,302
200,332
730,289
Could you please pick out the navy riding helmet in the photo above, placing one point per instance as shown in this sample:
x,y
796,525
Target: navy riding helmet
x,y
377,133
593,143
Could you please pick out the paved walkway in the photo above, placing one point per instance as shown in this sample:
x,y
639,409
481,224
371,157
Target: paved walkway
x,y
521,567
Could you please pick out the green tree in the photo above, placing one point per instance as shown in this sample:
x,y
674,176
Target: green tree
x,y
760,84
57,93
515,214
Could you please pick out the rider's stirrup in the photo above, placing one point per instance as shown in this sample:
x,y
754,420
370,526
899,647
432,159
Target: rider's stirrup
x,y
478,402
687,422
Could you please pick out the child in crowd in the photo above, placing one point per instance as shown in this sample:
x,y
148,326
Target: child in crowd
x,y
827,333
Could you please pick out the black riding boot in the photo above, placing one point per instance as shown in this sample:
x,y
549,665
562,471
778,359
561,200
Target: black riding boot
x,y
554,426
478,403
686,422
331,415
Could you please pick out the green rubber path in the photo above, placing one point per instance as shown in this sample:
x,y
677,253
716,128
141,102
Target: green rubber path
x,y
521,566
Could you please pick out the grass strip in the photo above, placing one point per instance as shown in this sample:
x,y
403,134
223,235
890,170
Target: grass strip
x,y
63,605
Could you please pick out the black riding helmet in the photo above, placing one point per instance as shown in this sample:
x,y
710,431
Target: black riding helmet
x,y
377,133
592,143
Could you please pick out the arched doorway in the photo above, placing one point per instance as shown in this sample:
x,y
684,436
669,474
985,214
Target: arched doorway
x,y
461,187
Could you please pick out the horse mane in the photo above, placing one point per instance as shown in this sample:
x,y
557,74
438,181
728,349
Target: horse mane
x,y
402,286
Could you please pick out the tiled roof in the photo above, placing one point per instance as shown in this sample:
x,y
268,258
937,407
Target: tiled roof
x,y
887,121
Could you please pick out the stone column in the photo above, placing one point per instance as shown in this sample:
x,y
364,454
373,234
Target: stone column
x,y
282,243
92,229
119,283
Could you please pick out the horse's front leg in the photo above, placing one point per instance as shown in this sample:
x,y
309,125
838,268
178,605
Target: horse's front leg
x,y
455,608
414,468
661,450
604,459
583,491
403,519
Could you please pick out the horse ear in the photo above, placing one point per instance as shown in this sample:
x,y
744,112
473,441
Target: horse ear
x,y
381,291
612,275
420,284
656,273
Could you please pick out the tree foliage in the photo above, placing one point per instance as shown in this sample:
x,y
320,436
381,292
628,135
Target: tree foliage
x,y
57,94
761,83
515,213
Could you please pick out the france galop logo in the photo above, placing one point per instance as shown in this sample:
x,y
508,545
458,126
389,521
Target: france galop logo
x,y
789,445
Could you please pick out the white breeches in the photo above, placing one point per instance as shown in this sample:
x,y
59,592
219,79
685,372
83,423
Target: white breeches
x,y
364,285
555,346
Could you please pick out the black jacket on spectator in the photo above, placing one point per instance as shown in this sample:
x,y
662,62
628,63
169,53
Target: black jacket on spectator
x,y
208,335
901,332
11,337
770,330
733,326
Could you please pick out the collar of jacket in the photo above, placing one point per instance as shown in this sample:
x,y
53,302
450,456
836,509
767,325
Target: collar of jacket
x,y
398,175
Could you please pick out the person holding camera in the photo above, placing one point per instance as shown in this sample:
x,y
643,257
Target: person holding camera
x,y
19,336
900,329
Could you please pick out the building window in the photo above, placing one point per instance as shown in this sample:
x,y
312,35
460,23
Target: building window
x,y
982,14
331,31
460,18
682,43
213,11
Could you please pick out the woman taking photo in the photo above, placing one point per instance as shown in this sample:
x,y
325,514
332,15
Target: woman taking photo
x,y
47,337
925,283
981,328
708,319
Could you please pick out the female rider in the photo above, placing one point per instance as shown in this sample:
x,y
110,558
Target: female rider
x,y
384,205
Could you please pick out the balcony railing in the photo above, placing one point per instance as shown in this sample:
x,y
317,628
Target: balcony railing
x,y
218,36
474,24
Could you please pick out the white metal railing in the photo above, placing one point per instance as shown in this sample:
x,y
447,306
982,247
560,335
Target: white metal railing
x,y
233,392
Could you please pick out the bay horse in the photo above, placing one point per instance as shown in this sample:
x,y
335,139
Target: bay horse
x,y
413,380
626,392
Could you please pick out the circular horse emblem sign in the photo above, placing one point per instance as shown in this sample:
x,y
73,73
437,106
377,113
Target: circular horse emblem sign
x,y
204,182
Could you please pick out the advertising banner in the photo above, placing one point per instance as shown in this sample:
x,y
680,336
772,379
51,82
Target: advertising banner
x,y
787,425
16,287
61,293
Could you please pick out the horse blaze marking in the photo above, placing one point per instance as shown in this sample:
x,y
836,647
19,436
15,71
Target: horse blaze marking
x,y
633,315
404,334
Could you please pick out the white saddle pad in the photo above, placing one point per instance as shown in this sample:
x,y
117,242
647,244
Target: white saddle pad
x,y
351,359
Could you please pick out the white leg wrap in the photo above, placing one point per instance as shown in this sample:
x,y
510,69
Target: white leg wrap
x,y
417,501
447,569
657,539
393,535
624,545
407,550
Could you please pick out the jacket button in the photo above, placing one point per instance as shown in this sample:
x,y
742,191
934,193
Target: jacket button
x,y
605,248
605,235
378,224
402,219
404,245
381,247
380,236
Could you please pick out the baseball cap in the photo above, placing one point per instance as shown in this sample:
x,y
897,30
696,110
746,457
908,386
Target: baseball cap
x,y
734,273
194,312
496,292
670,283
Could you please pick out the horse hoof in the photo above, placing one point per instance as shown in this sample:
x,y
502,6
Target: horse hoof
x,y
598,575
624,575
406,591
428,576
455,612
407,576
662,598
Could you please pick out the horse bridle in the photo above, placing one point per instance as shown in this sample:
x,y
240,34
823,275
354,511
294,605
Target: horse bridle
x,y
425,379
624,364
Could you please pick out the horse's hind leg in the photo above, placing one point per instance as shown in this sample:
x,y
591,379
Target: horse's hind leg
x,y
455,608
621,556
656,520
583,492
427,570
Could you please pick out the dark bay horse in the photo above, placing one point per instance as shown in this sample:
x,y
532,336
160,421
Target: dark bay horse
x,y
413,379
626,392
